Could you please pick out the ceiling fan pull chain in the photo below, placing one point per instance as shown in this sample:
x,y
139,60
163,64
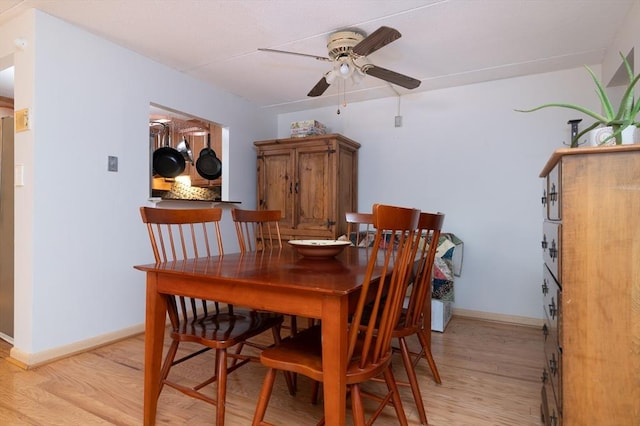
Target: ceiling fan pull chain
x,y
338,98
344,94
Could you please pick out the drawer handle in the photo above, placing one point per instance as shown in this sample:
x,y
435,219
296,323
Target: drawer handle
x,y
544,242
545,331
545,287
553,364
553,310
544,376
553,195
544,199
553,251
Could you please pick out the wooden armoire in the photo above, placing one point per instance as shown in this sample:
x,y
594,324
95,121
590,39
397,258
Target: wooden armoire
x,y
313,180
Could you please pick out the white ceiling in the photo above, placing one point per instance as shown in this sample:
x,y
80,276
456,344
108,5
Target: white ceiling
x,y
444,43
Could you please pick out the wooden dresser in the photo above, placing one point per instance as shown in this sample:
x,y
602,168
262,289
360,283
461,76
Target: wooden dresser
x,y
313,180
591,287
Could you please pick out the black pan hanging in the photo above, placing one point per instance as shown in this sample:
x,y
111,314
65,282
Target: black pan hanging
x,y
167,161
208,164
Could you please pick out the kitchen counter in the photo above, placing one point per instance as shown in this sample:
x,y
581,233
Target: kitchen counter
x,y
190,202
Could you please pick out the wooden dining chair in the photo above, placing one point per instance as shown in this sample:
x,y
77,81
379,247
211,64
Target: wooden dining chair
x,y
368,345
361,226
178,234
416,314
359,232
415,317
257,229
260,230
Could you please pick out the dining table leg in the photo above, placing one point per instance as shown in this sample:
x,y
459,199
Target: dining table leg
x,y
334,359
153,344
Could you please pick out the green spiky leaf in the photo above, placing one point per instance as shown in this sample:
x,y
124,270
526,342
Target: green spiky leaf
x,y
586,111
602,95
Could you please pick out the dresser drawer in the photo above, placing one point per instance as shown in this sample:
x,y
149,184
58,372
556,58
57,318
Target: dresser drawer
x,y
549,413
553,369
554,199
553,359
551,241
551,299
545,200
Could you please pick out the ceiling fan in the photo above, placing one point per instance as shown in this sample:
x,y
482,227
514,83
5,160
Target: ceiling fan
x,y
348,50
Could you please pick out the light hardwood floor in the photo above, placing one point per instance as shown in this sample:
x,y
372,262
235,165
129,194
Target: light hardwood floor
x,y
490,376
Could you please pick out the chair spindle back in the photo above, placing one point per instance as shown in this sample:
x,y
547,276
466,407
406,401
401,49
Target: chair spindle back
x,y
370,339
428,235
257,229
359,224
179,234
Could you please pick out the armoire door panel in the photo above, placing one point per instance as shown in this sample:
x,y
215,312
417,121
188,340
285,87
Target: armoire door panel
x,y
276,184
314,189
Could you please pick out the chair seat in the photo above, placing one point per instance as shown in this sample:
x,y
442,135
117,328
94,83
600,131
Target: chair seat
x,y
403,330
302,354
224,329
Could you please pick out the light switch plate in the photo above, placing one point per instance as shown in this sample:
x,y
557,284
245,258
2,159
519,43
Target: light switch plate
x,y
22,120
112,164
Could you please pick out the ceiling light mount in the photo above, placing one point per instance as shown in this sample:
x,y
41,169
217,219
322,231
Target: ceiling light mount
x,y
341,43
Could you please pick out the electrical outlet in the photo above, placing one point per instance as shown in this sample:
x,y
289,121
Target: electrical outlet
x,y
19,175
112,164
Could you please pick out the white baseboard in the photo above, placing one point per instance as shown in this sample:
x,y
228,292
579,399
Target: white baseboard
x,y
490,316
6,338
30,360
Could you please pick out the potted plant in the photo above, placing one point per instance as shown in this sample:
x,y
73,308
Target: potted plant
x,y
618,121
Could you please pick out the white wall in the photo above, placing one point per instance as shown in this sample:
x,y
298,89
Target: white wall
x,y
628,36
465,152
79,231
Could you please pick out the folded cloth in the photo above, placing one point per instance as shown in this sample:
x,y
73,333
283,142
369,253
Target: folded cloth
x,y
447,263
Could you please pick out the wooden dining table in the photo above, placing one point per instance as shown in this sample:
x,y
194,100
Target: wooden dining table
x,y
277,280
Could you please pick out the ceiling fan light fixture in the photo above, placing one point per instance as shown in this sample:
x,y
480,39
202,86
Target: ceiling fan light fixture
x,y
345,69
330,76
357,77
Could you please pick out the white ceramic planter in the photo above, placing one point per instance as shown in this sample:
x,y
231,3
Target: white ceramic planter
x,y
596,137
630,135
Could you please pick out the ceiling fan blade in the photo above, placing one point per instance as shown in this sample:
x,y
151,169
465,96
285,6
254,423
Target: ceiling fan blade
x,y
320,87
376,40
391,76
319,58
